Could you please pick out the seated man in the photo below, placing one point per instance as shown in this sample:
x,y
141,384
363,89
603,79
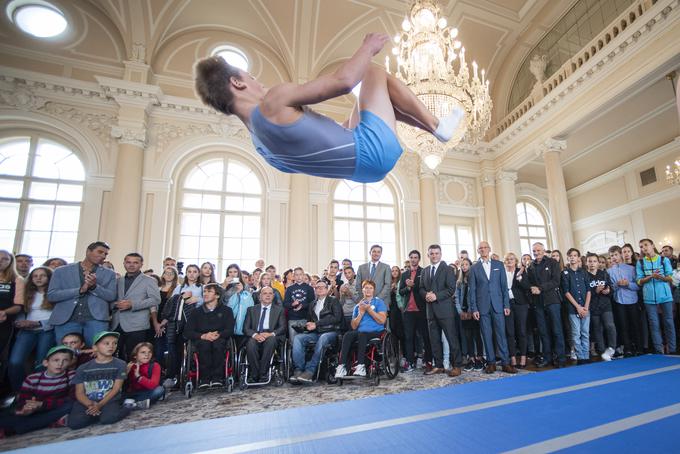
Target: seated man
x,y
209,328
294,139
265,324
368,321
45,397
324,322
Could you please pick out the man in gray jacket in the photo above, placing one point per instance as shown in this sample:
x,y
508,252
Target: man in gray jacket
x,y
378,272
137,294
81,293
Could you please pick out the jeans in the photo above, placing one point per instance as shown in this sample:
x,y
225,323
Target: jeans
x,y
39,420
580,329
112,412
291,331
25,343
600,322
88,329
153,395
300,343
668,326
545,315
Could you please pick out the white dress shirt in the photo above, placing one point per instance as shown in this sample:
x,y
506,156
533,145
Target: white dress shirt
x,y
318,307
487,268
510,275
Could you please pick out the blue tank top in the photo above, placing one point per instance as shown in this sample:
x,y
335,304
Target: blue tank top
x,y
313,145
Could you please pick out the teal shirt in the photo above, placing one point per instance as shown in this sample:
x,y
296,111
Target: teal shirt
x,y
655,291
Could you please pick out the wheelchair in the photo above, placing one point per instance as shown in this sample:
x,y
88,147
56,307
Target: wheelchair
x,y
382,358
189,369
279,366
328,362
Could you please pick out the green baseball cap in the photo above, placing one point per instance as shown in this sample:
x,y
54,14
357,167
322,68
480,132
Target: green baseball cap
x,y
101,334
59,349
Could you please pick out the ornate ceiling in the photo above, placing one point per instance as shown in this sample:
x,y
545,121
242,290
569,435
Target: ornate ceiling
x,y
284,39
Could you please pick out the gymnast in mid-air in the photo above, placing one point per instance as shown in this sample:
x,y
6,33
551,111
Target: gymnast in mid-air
x,y
293,138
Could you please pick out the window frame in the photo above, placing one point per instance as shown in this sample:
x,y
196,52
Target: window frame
x,y
365,219
184,173
546,220
24,201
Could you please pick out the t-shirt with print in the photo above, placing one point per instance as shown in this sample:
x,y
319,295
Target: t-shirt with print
x,y
99,378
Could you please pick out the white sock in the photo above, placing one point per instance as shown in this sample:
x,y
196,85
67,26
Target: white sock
x,y
449,124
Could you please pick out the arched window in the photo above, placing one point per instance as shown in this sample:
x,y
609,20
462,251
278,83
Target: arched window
x,y
363,215
41,194
532,226
220,206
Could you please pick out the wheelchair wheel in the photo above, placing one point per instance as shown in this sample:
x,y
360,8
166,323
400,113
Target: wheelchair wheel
x,y
278,379
230,384
188,389
242,385
390,356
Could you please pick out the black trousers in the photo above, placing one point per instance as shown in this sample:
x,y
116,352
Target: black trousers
x,y
361,338
211,356
436,326
629,326
112,412
259,356
472,335
415,323
519,313
128,341
549,319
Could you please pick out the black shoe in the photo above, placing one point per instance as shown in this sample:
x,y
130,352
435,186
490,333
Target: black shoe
x,y
469,366
541,364
628,354
561,364
478,364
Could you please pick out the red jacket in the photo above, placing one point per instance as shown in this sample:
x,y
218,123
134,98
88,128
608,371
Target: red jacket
x,y
143,382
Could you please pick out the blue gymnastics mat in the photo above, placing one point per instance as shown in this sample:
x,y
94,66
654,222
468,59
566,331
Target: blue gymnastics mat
x,y
620,406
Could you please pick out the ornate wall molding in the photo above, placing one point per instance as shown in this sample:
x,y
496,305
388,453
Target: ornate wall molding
x,y
448,186
551,145
504,176
488,178
130,136
163,134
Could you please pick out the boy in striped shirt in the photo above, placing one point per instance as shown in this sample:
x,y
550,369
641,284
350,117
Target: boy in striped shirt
x,y
45,398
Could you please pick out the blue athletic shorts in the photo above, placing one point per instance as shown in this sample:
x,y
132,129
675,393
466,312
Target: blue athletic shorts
x,y
377,149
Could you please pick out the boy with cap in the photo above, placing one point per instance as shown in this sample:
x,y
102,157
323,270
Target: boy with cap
x,y
45,398
98,385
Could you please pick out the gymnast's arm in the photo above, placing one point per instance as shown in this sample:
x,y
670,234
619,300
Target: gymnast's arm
x,y
331,85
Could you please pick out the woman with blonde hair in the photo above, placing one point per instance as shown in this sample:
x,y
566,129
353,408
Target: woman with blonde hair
x,y
11,297
516,322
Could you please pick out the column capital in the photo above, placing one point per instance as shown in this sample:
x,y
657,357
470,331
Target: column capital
x,y
551,145
504,176
488,178
426,172
130,136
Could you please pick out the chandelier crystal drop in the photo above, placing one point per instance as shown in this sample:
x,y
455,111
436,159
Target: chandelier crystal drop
x,y
673,173
431,62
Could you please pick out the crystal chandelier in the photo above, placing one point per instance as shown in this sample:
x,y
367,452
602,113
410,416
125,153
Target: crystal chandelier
x,y
427,55
673,173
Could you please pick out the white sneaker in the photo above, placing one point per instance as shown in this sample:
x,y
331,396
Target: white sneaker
x,y
360,371
170,383
449,124
572,355
144,404
341,371
607,355
129,403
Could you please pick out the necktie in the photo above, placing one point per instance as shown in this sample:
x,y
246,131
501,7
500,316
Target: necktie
x,y
432,271
260,325
372,270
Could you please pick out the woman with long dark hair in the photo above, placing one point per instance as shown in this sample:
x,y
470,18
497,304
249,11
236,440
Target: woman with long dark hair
x,y
35,334
394,315
11,298
471,335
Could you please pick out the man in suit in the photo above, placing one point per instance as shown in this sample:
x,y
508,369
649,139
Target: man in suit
x,y
137,294
81,293
490,303
378,272
413,315
265,325
324,321
438,284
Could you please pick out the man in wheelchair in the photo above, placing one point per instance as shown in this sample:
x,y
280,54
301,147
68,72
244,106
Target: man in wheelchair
x,y
324,321
265,326
368,321
209,329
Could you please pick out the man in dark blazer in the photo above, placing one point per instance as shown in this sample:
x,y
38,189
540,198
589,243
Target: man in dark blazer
x,y
137,294
378,272
413,311
265,325
438,284
81,293
490,303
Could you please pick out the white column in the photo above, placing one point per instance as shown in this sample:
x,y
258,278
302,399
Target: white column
x,y
493,233
557,194
429,212
507,202
298,229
